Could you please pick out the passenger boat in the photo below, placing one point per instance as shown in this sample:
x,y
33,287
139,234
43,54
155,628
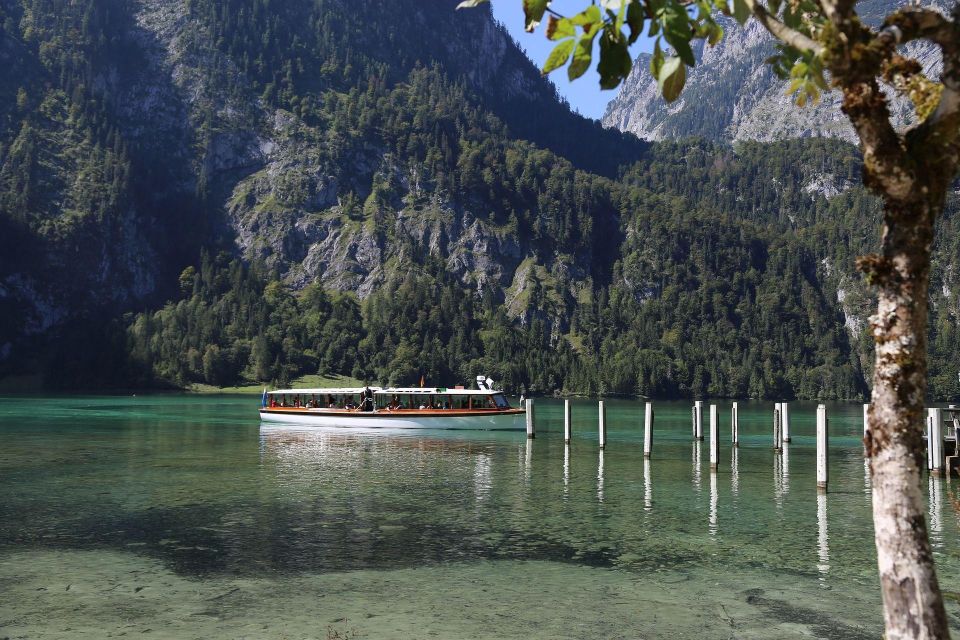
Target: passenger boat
x,y
394,408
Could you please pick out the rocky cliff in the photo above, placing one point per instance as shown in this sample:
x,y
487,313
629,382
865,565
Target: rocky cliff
x,y
732,94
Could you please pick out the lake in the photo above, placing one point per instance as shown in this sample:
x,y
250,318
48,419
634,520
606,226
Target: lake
x,y
178,516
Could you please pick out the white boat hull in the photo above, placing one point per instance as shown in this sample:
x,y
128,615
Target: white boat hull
x,y
383,420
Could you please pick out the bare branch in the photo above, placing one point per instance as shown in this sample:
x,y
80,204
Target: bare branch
x,y
942,127
918,23
837,10
781,31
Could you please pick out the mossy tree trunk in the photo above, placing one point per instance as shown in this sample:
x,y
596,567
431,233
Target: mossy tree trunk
x,y
912,172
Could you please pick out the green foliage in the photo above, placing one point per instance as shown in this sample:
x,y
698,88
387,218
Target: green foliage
x,y
725,284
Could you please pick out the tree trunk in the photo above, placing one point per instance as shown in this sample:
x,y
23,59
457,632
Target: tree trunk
x,y
913,605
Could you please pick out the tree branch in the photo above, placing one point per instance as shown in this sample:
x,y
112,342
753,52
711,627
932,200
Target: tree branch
x,y
781,31
942,127
887,166
918,23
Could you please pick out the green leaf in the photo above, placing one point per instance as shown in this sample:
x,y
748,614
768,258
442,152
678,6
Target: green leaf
x,y
559,56
560,28
635,18
672,77
615,62
716,35
533,11
682,48
582,57
656,60
469,4
621,15
741,11
590,16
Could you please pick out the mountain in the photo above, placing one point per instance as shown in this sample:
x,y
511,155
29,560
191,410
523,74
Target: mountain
x,y
732,95
224,191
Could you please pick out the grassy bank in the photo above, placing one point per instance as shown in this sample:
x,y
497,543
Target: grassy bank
x,y
303,382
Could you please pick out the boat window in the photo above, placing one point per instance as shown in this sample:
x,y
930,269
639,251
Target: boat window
x,y
501,401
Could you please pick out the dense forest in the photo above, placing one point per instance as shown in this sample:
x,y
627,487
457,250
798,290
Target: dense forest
x,y
230,191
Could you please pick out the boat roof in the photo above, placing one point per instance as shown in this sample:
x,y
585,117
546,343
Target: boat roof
x,y
386,391
325,391
436,390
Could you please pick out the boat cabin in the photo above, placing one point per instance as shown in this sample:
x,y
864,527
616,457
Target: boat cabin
x,y
419,398
388,399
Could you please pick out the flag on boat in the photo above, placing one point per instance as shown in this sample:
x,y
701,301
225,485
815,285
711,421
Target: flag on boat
x,y
421,380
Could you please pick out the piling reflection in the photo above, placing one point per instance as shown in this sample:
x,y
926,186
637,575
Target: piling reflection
x,y
600,477
823,539
528,461
714,500
778,480
647,487
934,489
735,471
566,471
482,478
866,477
696,466
785,468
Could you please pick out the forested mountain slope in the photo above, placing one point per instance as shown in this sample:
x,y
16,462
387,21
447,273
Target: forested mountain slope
x,y
390,190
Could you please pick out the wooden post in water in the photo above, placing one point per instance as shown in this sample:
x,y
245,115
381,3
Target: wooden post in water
x,y
603,425
698,420
648,430
935,441
777,430
785,420
735,425
714,438
567,428
530,431
823,443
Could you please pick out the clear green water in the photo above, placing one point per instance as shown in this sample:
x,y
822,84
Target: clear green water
x,y
179,517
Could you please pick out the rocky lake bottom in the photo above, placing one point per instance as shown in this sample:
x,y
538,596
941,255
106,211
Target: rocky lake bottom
x,y
177,516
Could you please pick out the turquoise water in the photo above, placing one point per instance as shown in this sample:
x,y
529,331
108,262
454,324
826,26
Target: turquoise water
x,y
180,517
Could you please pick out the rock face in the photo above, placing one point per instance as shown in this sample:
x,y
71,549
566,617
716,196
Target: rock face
x,y
206,161
732,94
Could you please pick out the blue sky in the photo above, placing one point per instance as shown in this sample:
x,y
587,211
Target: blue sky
x,y
584,94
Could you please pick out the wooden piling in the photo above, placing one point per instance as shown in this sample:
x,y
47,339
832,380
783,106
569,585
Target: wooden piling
x,y
603,425
648,430
866,426
698,420
714,438
777,430
785,420
735,424
935,441
823,443
530,429
567,422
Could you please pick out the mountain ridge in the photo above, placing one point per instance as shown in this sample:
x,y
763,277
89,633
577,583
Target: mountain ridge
x,y
733,95
211,191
